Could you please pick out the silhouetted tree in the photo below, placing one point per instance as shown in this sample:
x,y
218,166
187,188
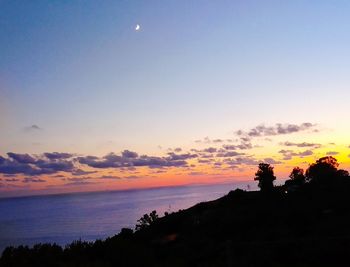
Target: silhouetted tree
x,y
265,176
146,220
297,179
324,171
297,175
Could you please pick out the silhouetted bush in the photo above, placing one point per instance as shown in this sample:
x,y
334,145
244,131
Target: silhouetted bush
x,y
146,220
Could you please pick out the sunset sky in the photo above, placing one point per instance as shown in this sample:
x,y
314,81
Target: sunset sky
x,y
201,93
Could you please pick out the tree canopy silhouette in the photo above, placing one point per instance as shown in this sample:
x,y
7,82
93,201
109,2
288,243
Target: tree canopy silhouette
x,y
297,179
324,171
297,176
265,176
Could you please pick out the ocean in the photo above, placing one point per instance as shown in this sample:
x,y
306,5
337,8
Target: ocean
x,y
95,215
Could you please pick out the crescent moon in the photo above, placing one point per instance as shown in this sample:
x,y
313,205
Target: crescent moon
x,y
137,28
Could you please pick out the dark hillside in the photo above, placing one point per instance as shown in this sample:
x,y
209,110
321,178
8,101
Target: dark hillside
x,y
286,226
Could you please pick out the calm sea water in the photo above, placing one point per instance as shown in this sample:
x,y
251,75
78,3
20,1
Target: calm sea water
x,y
89,216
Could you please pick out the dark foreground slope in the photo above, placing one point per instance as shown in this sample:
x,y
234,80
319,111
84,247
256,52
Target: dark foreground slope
x,y
310,227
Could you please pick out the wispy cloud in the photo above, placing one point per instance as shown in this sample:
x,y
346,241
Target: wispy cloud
x,y
277,129
33,180
79,172
32,128
113,177
332,153
304,144
79,183
289,154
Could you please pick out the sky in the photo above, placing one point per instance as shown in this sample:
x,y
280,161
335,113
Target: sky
x,y
201,93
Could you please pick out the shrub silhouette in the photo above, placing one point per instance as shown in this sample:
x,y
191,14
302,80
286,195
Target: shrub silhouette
x,y
265,176
146,220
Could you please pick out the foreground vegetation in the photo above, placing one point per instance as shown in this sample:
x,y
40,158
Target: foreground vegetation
x,y
305,222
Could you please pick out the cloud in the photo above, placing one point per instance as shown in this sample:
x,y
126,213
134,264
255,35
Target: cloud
x,y
248,160
79,183
115,161
229,154
32,128
32,165
242,146
113,177
129,154
49,167
186,156
13,186
58,156
59,176
245,139
33,180
277,129
12,180
10,175
90,161
205,160
215,152
132,177
271,161
289,154
11,166
207,156
229,147
79,172
78,179
205,140
304,144
332,153
21,158
209,150
196,173
305,153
